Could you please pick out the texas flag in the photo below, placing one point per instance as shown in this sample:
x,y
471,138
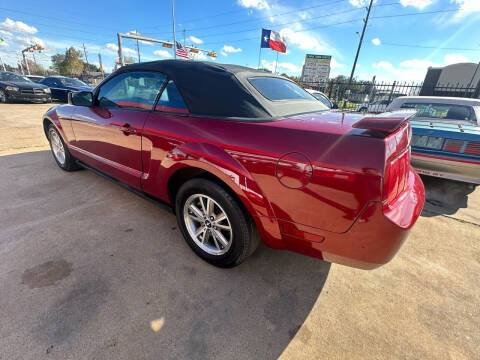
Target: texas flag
x,y
273,40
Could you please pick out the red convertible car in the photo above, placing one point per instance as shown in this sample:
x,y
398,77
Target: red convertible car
x,y
241,155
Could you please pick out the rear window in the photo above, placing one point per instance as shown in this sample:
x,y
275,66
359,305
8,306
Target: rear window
x,y
440,111
279,89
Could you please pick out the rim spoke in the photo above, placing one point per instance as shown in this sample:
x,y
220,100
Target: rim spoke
x,y
195,218
209,207
224,227
199,231
214,236
220,217
206,235
220,237
196,210
203,205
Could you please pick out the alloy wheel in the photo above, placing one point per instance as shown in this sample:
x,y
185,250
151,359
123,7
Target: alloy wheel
x,y
208,224
57,147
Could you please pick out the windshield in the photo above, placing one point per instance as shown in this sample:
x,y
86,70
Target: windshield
x,y
279,89
72,82
319,96
6,76
440,111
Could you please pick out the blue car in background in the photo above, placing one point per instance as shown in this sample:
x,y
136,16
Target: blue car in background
x,y
446,136
60,86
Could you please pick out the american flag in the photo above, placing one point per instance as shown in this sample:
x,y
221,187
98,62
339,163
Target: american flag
x,y
182,51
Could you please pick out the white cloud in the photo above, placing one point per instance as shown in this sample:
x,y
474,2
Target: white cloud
x,y
455,58
25,40
17,26
113,47
223,53
302,40
334,64
414,69
360,3
419,4
195,40
230,49
5,34
282,67
376,41
466,7
272,19
163,53
257,4
200,56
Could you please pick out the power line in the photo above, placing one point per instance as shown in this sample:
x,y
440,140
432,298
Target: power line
x,y
430,47
243,9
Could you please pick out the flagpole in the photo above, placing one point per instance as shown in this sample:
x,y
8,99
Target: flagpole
x,y
174,37
276,62
260,52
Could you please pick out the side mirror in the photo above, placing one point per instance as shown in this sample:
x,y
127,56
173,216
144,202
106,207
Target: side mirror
x,y
80,98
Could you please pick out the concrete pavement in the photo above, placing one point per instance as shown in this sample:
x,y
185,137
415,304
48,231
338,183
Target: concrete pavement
x,y
89,270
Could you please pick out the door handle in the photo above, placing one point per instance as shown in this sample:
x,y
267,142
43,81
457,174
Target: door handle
x,y
126,128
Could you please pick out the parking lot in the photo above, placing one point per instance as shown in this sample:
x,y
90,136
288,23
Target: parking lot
x,y
89,270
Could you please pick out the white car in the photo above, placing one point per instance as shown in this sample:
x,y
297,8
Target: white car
x,y
321,97
374,107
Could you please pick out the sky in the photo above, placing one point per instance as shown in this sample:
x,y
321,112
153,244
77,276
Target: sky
x,y
403,37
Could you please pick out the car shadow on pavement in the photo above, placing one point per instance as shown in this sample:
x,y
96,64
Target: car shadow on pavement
x,y
133,288
445,197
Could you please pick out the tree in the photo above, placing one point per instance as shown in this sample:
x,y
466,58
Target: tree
x,y
35,68
69,64
57,61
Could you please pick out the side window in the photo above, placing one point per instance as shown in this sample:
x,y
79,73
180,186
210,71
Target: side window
x,y
171,100
47,82
133,90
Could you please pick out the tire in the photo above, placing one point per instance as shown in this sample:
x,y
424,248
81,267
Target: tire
x,y
65,162
363,109
3,97
237,244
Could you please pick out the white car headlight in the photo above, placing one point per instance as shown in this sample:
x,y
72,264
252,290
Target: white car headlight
x,y
11,88
47,90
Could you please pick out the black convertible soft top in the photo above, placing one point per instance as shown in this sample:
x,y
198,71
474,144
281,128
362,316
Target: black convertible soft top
x,y
223,90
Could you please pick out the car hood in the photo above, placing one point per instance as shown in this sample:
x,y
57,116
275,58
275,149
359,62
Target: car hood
x,y
76,88
24,84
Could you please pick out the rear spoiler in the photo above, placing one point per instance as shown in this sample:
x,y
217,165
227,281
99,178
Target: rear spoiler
x,y
386,123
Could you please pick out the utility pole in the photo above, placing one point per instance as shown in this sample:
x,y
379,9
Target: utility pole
x,y
138,47
26,62
86,58
184,31
365,22
20,63
101,66
174,37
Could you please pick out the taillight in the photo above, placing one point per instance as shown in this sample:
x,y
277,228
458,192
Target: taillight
x,y
396,176
452,145
472,148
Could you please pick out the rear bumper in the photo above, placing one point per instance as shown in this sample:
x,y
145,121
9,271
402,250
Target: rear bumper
x,y
374,238
18,96
447,167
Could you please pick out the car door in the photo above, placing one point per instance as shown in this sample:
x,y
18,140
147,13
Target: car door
x,y
108,134
56,87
